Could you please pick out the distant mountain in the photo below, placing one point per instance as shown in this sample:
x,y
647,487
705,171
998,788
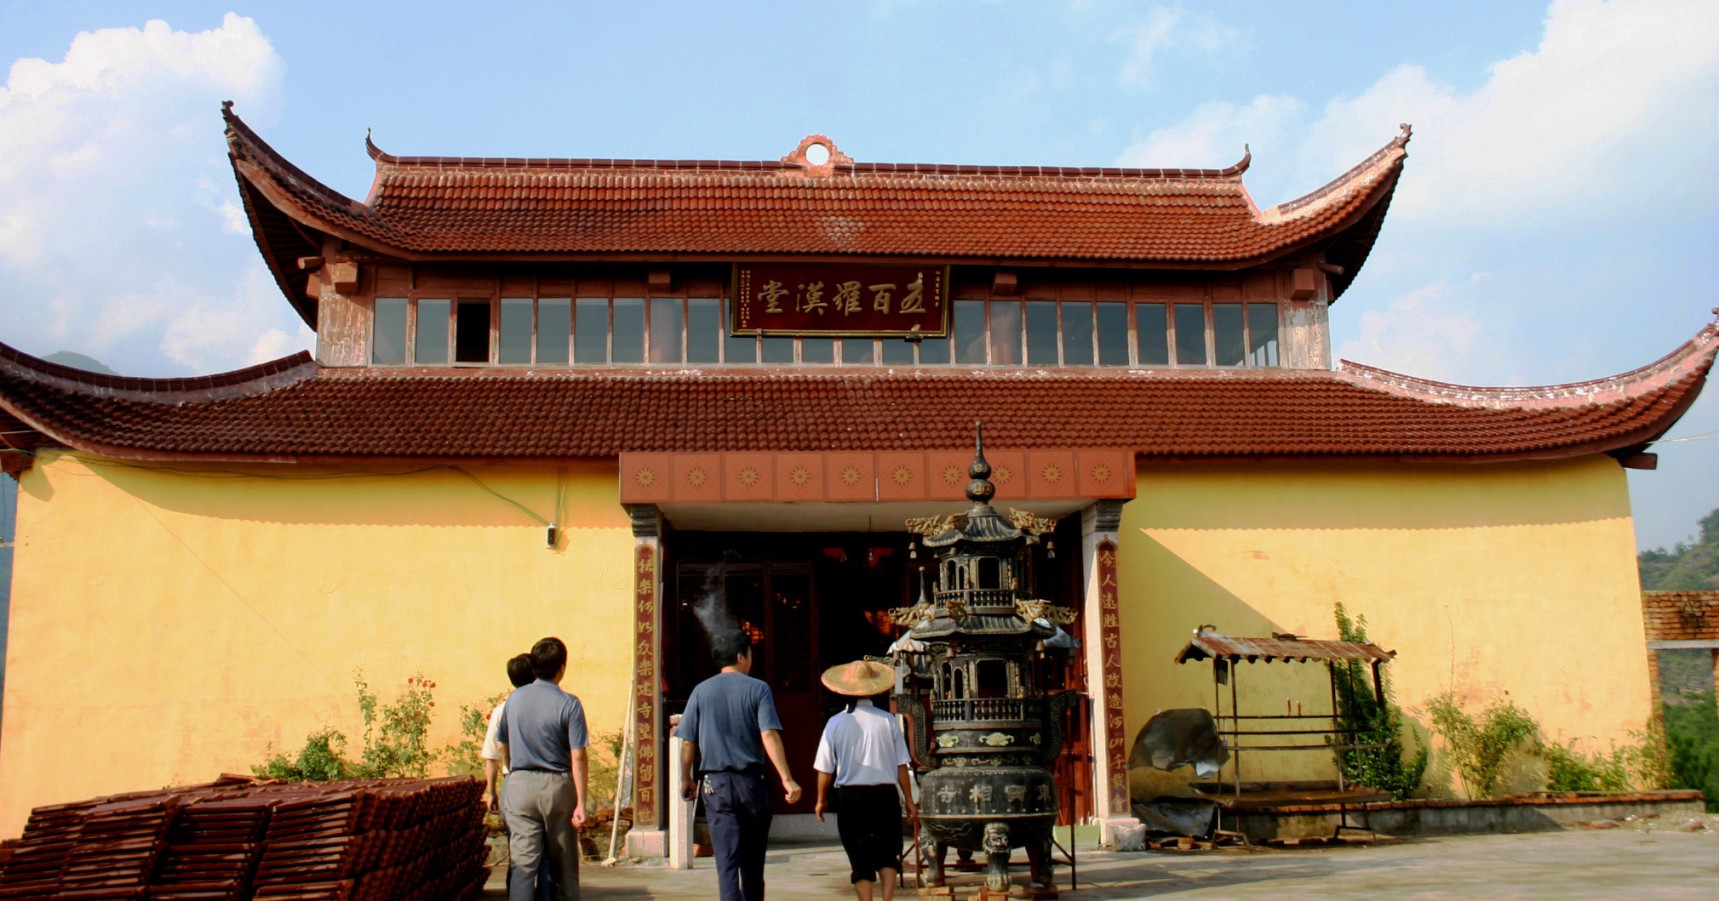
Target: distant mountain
x,y
1685,567
78,361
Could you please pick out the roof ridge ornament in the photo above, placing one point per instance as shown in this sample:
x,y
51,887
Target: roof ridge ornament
x,y
818,155
376,153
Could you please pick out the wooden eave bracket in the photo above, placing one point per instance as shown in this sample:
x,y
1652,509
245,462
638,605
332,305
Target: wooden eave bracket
x,y
344,275
15,461
1643,461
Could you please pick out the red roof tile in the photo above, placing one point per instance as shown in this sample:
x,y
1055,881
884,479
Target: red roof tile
x,y
427,207
293,410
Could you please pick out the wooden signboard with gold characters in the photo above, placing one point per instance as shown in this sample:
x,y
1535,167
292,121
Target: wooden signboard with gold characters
x,y
834,299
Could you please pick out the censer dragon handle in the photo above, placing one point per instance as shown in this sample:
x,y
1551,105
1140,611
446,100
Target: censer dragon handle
x,y
1056,707
918,730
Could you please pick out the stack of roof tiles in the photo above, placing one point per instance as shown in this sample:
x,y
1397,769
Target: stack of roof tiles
x,y
363,839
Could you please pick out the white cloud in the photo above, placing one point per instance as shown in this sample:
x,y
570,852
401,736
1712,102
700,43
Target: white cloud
x,y
1426,333
118,211
1164,28
1214,134
1566,125
1620,100
221,331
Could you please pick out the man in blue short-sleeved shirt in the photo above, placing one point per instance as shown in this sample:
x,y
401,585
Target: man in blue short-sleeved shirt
x,y
542,732
730,729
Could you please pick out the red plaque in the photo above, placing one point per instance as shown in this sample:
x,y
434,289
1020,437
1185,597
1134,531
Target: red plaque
x,y
833,299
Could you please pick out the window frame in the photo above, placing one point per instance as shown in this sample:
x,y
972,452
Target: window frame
x,y
906,352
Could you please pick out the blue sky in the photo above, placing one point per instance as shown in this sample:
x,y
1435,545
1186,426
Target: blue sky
x,y
1556,221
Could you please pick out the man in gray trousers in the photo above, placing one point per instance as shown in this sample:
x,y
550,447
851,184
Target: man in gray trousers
x,y
543,739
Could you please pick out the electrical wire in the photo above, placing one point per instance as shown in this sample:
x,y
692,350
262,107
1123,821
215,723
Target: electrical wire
x,y
237,595
1699,436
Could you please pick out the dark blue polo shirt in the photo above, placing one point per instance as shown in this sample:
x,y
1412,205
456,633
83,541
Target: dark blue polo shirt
x,y
727,715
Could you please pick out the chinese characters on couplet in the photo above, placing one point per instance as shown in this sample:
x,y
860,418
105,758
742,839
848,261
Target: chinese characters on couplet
x,y
1110,632
645,684
835,300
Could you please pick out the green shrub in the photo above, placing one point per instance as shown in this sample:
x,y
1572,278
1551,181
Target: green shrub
x,y
465,757
319,760
1382,766
1692,741
395,735
1570,770
1479,748
603,772
395,740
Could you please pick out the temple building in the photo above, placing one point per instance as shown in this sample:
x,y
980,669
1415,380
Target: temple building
x,y
602,399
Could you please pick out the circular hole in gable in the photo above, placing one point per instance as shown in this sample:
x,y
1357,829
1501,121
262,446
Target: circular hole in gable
x,y
817,154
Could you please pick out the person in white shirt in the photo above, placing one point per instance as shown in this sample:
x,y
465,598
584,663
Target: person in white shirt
x,y
863,754
519,673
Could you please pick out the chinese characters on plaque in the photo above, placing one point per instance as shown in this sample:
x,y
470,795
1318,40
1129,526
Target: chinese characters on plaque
x,y
645,686
832,299
1110,636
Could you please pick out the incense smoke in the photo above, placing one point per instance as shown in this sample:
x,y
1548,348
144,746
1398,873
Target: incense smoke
x,y
711,607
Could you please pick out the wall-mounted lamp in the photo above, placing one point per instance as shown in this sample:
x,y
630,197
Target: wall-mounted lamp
x,y
551,534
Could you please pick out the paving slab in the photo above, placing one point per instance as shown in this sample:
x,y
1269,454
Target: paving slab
x,y
1580,863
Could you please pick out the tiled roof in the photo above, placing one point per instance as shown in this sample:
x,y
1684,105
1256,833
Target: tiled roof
x,y
1208,645
437,207
293,410
1681,615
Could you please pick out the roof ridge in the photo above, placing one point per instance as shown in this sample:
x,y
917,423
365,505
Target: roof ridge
x,y
254,379
769,373
1397,148
244,143
1692,356
1232,172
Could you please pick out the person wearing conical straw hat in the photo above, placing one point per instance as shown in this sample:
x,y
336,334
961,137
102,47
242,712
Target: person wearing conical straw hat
x,y
863,755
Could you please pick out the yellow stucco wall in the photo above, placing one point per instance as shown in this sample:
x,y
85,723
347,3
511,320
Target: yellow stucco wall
x,y
169,626
1499,581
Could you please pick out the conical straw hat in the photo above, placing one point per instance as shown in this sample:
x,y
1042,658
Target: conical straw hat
x,y
860,679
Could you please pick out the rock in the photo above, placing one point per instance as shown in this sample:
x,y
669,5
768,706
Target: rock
x,y
1131,838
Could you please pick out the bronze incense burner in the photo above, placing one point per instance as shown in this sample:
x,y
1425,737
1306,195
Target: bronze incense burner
x,y
984,745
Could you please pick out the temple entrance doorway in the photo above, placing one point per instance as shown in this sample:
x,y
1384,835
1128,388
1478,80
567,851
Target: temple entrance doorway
x,y
811,600
808,601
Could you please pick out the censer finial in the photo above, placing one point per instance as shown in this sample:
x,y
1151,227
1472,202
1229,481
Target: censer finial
x,y
980,490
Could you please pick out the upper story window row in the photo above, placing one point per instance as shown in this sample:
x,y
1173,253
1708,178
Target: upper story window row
x,y
693,331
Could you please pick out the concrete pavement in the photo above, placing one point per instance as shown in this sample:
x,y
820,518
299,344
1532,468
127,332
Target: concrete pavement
x,y
1639,860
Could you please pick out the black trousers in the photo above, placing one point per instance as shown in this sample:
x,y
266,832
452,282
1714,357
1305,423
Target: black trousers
x,y
737,809
868,818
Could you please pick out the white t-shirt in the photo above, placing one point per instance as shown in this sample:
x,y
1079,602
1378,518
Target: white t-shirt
x,y
492,736
864,747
